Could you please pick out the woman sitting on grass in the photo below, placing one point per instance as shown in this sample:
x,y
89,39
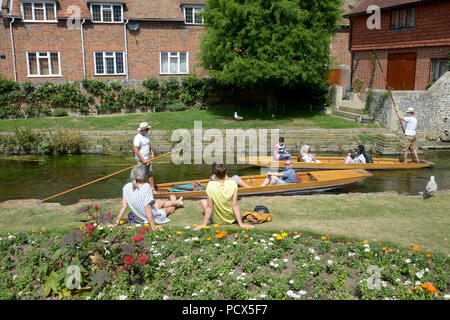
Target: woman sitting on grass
x,y
222,200
138,195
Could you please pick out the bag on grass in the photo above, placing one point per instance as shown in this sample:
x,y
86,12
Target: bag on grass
x,y
257,217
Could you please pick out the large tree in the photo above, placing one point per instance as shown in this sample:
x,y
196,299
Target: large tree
x,y
269,43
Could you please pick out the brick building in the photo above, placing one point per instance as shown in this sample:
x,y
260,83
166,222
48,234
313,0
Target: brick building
x,y
413,42
42,40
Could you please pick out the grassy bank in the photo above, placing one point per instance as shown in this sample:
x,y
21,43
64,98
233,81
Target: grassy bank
x,y
220,119
390,219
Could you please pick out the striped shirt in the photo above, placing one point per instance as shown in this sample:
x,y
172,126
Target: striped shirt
x,y
139,198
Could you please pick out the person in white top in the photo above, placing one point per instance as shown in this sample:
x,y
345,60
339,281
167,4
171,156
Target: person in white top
x,y
305,154
143,151
410,134
138,195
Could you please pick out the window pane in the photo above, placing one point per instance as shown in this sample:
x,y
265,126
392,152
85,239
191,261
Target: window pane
x,y
38,11
32,63
43,66
49,10
189,15
411,13
164,62
119,62
54,62
183,62
27,11
402,19
117,13
197,15
107,16
173,64
109,65
99,68
394,20
96,15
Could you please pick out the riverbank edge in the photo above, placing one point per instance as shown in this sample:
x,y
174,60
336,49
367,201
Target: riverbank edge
x,y
380,141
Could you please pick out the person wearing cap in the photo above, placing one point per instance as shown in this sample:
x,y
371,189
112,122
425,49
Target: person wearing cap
x,y
143,151
410,134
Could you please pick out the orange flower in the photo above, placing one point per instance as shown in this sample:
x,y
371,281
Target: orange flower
x,y
217,231
245,236
295,233
428,255
390,250
384,249
224,233
218,236
416,248
429,286
411,245
209,239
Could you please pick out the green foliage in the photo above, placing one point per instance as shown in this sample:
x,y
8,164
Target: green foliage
x,y
177,106
64,142
369,97
60,112
270,43
357,85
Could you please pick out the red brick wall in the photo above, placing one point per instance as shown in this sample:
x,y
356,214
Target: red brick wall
x,y
341,56
432,25
363,67
5,48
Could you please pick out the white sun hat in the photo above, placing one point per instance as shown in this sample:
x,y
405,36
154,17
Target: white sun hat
x,y
143,126
410,110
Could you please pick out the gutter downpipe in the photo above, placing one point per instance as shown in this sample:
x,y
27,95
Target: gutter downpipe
x,y
82,48
126,46
12,48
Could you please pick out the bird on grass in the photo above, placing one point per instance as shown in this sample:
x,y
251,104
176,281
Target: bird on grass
x,y
237,117
430,189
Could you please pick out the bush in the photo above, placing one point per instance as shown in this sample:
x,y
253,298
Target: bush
x,y
64,142
178,106
27,141
60,112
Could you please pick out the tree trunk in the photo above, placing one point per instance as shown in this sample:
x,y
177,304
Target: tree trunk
x,y
271,100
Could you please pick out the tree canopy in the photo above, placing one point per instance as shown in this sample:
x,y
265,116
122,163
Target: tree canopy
x,y
269,43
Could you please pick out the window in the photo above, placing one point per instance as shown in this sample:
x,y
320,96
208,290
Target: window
x,y
109,63
438,68
174,63
106,13
43,64
402,19
192,15
38,11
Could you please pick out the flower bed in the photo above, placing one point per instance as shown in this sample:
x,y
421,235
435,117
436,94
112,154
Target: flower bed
x,y
135,262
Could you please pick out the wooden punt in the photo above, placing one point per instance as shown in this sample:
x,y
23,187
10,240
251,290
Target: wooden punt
x,y
336,163
314,181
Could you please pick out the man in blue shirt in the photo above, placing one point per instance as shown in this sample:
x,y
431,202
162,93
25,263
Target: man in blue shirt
x,y
287,176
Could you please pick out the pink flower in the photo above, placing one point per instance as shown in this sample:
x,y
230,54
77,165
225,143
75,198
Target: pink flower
x,y
128,260
144,229
108,213
138,237
143,259
96,207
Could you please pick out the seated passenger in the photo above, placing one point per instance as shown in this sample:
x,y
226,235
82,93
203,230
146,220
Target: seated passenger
x,y
280,151
306,155
359,153
235,178
349,157
287,176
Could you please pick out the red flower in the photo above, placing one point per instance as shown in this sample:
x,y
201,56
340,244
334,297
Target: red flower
x,y
144,229
143,259
138,237
128,260
96,207
108,213
89,228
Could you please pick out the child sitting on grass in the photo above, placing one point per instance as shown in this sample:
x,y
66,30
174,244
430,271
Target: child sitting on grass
x,y
222,200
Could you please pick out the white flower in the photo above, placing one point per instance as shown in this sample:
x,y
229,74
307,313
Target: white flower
x,y
426,269
194,239
330,262
351,254
263,295
187,240
262,241
296,236
194,294
407,261
217,245
419,275
187,227
271,239
304,265
14,277
200,260
447,296
166,297
302,292
291,281
367,250
234,243
220,274
312,250
145,288
285,260
275,265
407,282
418,283
100,295
122,297
11,237
202,290
366,245
397,280
270,243
317,258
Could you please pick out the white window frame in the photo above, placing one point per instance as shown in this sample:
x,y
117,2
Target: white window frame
x,y
104,63
44,2
50,75
112,12
195,9
172,54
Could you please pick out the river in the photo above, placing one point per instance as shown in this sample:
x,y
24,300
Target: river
x,y
30,177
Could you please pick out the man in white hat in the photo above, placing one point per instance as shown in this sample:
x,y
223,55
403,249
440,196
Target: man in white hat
x,y
143,150
410,134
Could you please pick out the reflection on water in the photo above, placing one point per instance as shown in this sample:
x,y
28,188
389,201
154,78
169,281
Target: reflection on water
x,y
41,177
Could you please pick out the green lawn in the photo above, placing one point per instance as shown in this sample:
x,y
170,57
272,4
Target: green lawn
x,y
220,119
394,219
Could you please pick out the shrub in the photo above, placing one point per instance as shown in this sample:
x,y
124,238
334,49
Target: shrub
x,y
27,140
177,106
64,142
60,112
194,90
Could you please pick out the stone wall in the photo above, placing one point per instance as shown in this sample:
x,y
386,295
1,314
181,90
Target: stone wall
x,y
432,110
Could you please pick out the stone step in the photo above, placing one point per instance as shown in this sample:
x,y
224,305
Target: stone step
x,y
351,104
346,115
351,110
